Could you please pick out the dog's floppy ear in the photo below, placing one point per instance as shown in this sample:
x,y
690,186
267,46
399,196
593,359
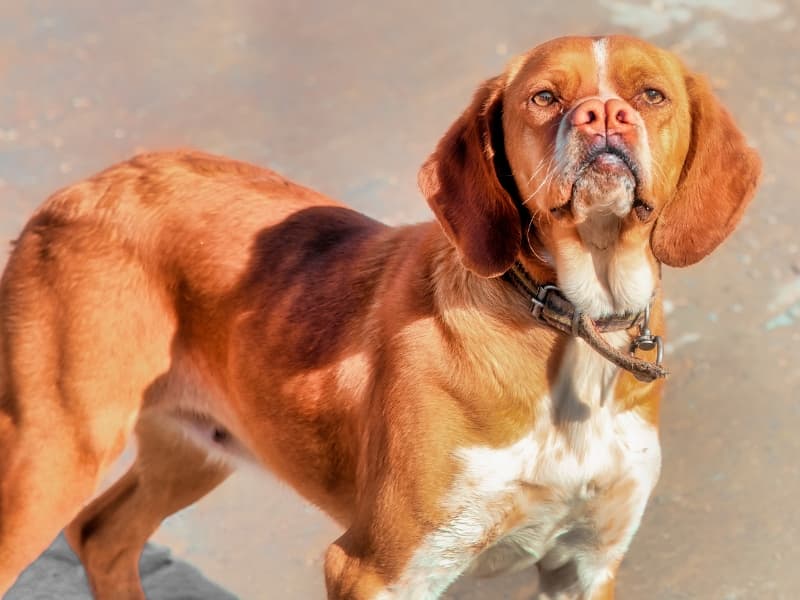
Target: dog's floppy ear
x,y
461,185
719,179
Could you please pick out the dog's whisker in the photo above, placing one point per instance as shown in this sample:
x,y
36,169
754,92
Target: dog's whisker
x,y
537,169
545,181
530,246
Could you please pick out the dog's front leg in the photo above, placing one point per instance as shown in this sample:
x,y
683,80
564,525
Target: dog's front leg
x,y
563,583
348,572
392,559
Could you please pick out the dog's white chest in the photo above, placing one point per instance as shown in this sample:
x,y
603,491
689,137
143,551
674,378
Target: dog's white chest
x,y
559,494
573,488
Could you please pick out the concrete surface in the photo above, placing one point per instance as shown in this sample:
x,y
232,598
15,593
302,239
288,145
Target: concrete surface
x,y
59,575
349,98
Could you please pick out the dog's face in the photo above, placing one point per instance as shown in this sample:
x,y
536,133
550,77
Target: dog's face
x,y
600,157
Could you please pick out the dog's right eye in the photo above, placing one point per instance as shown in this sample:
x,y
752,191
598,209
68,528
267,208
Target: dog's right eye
x,y
543,98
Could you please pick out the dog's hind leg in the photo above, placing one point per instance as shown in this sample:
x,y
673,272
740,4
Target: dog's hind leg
x,y
82,337
170,472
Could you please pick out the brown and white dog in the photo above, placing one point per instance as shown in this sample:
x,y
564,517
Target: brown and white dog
x,y
395,377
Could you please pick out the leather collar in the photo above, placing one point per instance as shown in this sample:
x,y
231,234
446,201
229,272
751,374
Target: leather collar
x,y
550,307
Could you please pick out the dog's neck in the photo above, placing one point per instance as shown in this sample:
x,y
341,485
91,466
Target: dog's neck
x,y
551,308
468,302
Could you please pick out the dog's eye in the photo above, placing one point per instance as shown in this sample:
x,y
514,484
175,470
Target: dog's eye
x,y
653,96
642,210
543,98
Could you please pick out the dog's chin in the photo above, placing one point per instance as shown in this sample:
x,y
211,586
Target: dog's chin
x,y
601,198
607,187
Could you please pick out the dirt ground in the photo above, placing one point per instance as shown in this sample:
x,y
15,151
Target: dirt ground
x,y
350,98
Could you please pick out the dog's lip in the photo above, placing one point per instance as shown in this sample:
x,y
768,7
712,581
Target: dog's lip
x,y
609,158
609,161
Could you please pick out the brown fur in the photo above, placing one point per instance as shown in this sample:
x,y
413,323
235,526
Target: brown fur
x,y
186,291
680,239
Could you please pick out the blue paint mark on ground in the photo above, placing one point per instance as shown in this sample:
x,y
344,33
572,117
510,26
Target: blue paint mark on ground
x,y
785,319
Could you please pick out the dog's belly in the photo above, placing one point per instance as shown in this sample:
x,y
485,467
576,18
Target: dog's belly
x,y
190,402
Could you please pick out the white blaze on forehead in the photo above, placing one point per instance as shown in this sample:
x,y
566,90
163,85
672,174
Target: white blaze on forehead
x,y
600,51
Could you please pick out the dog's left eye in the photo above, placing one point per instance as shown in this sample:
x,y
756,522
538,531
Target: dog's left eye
x,y
653,96
543,98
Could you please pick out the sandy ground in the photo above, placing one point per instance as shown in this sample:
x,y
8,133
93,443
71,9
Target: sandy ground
x,y
350,99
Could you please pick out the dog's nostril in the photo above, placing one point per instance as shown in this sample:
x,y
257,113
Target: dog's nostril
x,y
622,117
591,116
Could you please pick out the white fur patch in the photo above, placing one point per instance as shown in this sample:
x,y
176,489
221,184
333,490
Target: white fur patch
x,y
592,448
604,282
631,280
600,52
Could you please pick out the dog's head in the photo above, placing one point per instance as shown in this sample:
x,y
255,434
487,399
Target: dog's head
x,y
598,158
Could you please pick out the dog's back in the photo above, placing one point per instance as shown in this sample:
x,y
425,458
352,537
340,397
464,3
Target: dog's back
x,y
121,294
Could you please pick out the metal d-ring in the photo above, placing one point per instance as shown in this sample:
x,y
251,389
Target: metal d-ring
x,y
646,340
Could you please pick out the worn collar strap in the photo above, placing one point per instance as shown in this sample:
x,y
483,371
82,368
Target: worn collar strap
x,y
551,307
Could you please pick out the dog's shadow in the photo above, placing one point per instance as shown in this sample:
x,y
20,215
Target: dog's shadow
x,y
58,574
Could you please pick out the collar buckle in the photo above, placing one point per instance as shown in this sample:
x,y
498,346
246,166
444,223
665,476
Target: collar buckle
x,y
539,301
